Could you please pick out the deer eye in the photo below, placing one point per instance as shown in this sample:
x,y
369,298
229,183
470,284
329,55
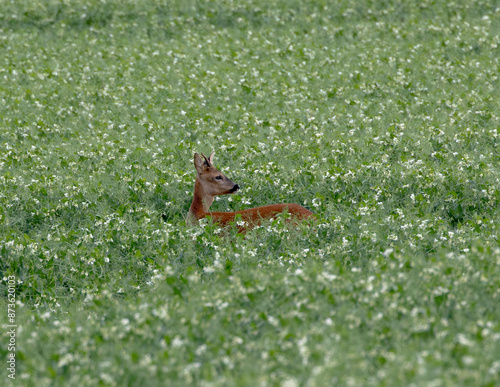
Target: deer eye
x,y
218,177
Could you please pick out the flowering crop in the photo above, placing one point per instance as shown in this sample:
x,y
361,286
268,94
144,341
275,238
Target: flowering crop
x,y
380,117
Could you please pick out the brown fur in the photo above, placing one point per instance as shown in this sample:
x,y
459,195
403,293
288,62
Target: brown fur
x,y
210,182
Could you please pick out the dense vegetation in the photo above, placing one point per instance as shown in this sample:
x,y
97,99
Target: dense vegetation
x,y
380,117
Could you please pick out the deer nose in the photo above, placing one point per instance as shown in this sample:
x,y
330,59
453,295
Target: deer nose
x,y
235,188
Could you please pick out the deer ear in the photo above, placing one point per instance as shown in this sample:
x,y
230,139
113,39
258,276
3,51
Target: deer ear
x,y
211,158
199,163
207,161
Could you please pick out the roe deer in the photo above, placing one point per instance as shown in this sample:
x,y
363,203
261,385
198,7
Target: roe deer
x,y
210,182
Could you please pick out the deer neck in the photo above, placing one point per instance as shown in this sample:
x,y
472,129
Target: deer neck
x,y
201,201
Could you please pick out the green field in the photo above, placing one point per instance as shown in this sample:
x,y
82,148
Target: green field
x,y
381,117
